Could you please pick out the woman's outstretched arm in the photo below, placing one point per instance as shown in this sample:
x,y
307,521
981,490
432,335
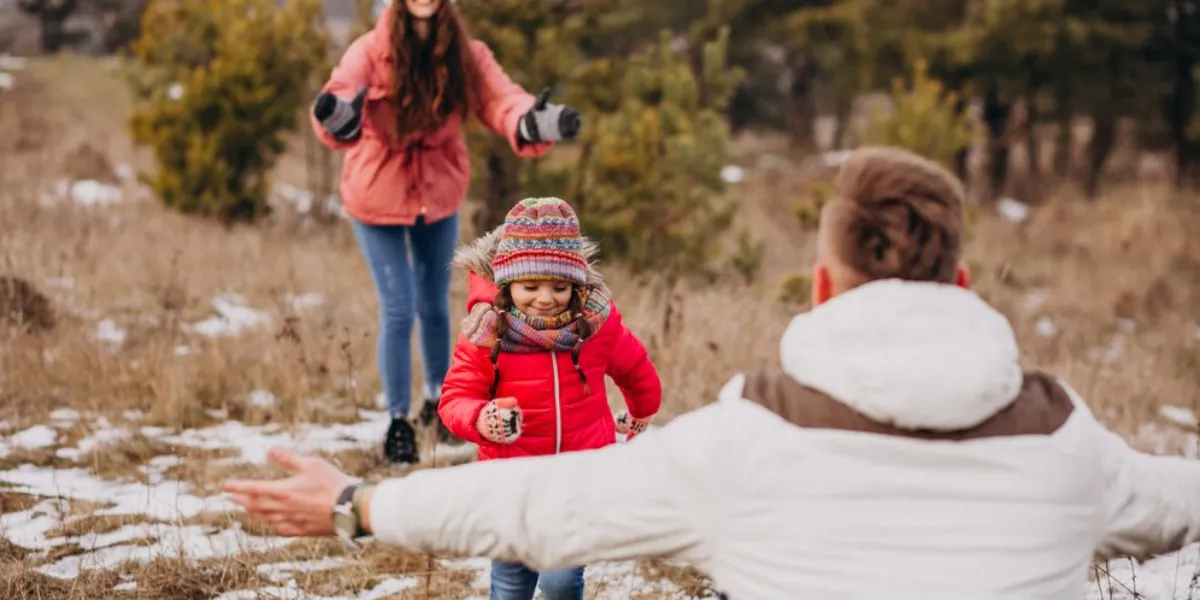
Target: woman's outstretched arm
x,y
502,102
351,74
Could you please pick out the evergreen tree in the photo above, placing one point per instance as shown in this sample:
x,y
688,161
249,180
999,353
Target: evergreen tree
x,y
53,16
927,118
653,188
644,173
224,79
537,41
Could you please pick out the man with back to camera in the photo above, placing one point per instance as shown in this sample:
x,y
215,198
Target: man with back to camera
x,y
899,450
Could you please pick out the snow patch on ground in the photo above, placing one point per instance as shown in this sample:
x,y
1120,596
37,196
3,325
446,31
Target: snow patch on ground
x,y
1184,417
1013,210
290,591
233,316
253,441
304,302
34,438
108,331
9,62
89,192
1166,577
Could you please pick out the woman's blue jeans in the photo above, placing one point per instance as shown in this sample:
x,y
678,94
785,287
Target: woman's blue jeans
x,y
410,266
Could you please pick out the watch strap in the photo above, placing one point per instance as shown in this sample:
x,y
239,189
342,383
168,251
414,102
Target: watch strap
x,y
356,501
344,506
347,495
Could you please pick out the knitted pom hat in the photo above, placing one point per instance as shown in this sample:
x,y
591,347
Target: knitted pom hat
x,y
540,241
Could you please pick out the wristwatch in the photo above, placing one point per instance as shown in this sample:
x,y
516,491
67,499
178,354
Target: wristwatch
x,y
347,519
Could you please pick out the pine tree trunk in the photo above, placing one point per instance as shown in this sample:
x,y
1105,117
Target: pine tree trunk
x,y
501,186
1062,148
1181,107
843,124
1103,137
995,116
578,198
1032,145
963,156
53,32
800,110
327,182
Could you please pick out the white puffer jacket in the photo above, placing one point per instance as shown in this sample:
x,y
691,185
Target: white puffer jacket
x,y
772,510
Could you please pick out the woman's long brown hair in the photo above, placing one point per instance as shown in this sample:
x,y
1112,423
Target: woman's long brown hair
x,y
431,79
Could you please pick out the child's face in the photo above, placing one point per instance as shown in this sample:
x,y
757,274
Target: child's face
x,y
541,298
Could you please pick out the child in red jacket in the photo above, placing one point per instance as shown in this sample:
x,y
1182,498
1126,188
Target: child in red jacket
x,y
527,376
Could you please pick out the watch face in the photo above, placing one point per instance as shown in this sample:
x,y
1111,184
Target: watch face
x,y
343,522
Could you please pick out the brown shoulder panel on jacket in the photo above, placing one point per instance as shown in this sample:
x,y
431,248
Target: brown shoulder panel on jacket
x,y
1041,408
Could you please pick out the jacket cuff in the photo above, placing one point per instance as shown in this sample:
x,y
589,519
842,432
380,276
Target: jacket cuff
x,y
389,521
468,431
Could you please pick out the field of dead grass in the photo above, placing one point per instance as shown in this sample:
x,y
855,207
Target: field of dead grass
x,y
181,349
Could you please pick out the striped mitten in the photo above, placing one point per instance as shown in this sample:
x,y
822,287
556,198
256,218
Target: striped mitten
x,y
342,119
547,122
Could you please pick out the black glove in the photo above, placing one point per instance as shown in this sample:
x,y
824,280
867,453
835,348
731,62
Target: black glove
x,y
547,122
343,120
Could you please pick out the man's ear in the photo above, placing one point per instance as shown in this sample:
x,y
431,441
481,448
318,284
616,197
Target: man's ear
x,y
822,285
963,277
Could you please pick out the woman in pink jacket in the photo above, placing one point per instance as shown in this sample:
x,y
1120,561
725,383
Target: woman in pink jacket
x,y
396,103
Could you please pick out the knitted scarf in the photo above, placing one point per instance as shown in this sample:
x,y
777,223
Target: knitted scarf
x,y
526,334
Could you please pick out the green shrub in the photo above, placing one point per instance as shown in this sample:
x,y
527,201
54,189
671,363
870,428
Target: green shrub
x,y
219,84
808,212
927,119
796,290
654,194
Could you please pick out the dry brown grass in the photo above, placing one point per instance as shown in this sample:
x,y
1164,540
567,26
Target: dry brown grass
x,y
95,524
150,270
1131,256
16,501
19,580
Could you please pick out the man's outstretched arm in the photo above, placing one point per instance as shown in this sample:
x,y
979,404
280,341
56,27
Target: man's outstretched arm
x,y
1149,504
656,496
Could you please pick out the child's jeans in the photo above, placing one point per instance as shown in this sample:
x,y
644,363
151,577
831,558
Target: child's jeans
x,y
406,288
514,581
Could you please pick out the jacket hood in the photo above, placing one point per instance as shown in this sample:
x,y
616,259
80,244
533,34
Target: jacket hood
x,y
914,355
476,258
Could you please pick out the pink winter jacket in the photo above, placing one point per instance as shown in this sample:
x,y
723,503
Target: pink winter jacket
x,y
385,183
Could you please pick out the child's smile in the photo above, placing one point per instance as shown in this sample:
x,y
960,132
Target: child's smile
x,y
541,298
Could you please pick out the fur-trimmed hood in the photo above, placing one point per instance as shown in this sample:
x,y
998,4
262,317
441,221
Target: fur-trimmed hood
x,y
476,257
914,355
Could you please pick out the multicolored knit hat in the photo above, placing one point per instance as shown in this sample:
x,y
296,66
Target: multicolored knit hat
x,y
541,241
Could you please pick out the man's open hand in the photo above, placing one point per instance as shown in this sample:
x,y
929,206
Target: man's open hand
x,y
299,506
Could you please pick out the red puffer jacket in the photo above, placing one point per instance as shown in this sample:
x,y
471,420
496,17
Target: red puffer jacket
x,y
559,416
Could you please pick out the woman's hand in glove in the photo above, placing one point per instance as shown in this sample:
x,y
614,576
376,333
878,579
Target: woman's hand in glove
x,y
341,118
547,122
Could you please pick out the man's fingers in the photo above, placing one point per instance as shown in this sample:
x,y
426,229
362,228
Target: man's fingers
x,y
286,459
289,529
260,505
250,487
242,500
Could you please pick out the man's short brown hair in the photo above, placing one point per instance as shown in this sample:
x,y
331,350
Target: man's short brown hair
x,y
896,215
